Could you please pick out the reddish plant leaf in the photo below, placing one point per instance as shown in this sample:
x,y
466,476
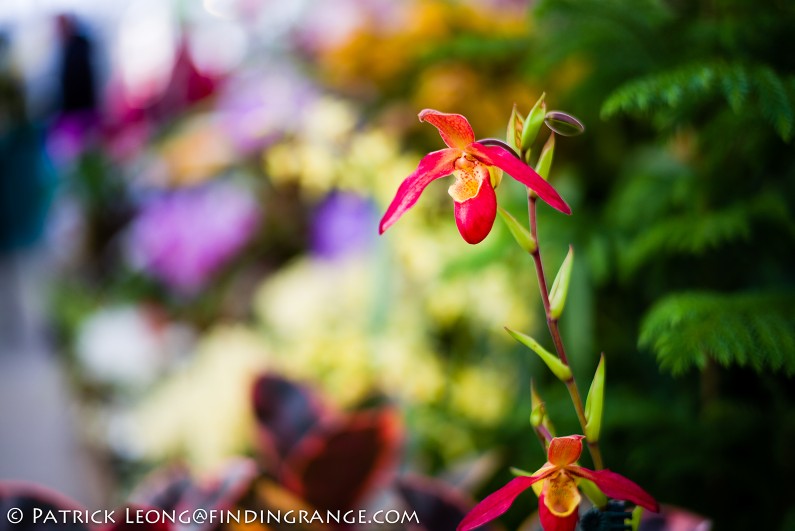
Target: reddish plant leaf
x,y
134,518
437,504
164,488
221,492
338,463
285,412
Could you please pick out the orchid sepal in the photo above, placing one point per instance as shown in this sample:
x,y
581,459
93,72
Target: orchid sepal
x,y
453,128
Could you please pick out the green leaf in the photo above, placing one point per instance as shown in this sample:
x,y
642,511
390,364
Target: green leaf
x,y
558,368
590,489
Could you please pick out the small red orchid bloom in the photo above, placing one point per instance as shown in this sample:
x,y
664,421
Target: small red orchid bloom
x,y
473,193
559,499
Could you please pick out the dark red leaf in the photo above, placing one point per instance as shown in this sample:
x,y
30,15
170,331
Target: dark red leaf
x,y
221,492
285,412
338,463
437,504
164,488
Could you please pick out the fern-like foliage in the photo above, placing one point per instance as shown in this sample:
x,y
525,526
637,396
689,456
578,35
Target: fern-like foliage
x,y
754,330
744,88
695,233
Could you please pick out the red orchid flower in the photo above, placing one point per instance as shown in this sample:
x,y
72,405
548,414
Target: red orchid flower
x,y
472,192
559,499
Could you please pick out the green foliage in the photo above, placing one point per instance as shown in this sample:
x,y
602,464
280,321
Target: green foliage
x,y
748,330
686,188
754,89
693,233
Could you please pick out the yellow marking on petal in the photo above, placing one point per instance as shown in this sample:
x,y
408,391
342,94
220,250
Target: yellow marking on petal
x,y
539,485
560,494
469,177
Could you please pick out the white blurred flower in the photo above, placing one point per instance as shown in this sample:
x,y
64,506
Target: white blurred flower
x,y
126,345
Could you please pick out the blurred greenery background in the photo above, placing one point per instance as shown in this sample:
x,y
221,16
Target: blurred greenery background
x,y
227,225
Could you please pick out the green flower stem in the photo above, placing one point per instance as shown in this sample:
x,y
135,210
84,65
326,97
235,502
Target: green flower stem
x,y
554,330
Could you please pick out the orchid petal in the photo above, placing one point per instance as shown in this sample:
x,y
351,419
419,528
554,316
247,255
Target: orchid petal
x,y
561,495
475,217
550,522
564,451
617,486
432,166
454,128
497,156
497,502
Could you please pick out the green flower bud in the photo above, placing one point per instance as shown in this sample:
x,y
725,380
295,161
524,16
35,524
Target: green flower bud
x,y
545,159
532,123
518,231
594,404
560,287
515,127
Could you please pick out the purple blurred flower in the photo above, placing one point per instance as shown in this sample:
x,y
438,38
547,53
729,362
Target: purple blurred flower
x,y
70,135
184,237
342,224
258,108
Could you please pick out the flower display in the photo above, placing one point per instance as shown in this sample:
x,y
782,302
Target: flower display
x,y
559,498
473,190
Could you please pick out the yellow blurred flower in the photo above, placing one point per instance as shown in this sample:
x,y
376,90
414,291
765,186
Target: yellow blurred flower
x,y
203,412
481,394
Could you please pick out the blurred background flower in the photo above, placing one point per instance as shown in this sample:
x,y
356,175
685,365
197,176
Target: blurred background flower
x,y
183,237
